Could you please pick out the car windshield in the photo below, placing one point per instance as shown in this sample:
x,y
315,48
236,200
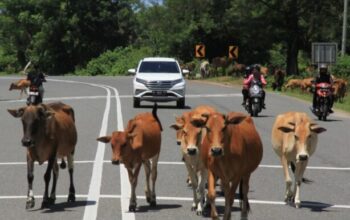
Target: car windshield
x,y
158,67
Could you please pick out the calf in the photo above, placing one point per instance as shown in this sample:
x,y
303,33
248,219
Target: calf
x,y
21,84
191,139
231,150
49,133
137,145
294,139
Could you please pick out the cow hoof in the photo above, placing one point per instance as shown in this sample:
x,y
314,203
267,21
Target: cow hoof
x,y
297,205
199,212
148,199
153,203
51,201
30,203
71,198
132,208
45,204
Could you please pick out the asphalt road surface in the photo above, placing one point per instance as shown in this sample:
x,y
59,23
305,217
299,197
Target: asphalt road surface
x,y
104,104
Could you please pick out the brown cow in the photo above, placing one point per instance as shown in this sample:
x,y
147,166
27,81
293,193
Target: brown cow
x,y
339,89
293,83
137,145
231,150
191,140
294,139
21,84
278,75
307,84
49,134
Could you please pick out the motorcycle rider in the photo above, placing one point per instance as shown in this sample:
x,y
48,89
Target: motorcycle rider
x,y
322,77
245,88
36,78
254,74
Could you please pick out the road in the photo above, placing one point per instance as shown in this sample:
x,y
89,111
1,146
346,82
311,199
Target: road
x,y
104,104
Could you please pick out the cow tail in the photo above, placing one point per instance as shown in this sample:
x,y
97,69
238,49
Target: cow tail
x,y
154,113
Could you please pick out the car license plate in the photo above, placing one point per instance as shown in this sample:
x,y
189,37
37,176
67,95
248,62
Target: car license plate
x,y
159,93
34,93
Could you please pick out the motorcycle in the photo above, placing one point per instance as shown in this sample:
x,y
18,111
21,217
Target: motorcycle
x,y
323,102
34,97
254,103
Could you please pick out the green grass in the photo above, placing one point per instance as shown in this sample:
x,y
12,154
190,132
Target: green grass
x,y
227,80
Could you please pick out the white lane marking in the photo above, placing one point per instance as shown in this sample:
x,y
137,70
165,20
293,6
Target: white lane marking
x,y
124,178
189,199
182,163
96,177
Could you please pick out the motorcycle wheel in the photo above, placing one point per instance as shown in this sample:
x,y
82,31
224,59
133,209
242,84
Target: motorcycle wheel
x,y
324,112
255,109
32,100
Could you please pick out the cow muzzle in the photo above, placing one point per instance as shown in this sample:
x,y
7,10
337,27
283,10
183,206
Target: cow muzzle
x,y
27,142
303,157
216,151
192,151
115,162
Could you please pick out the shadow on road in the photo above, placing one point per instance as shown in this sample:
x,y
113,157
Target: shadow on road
x,y
315,206
164,107
63,206
159,207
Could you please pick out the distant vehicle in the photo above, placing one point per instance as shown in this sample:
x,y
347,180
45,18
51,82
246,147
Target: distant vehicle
x,y
323,102
254,103
159,79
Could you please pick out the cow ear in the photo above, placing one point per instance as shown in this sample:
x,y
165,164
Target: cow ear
x,y
16,112
235,119
105,139
317,129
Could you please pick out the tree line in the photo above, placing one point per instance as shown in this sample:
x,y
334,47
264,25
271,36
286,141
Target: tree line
x,y
62,36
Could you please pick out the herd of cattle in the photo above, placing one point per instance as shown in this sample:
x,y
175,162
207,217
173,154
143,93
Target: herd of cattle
x,y
216,147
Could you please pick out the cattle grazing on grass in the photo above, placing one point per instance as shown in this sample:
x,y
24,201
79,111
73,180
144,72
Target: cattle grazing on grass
x,y
231,150
204,69
191,139
294,139
278,75
21,84
138,144
293,83
49,133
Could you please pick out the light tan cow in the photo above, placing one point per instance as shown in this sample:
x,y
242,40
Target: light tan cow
x,y
293,83
21,84
138,144
307,84
294,139
191,140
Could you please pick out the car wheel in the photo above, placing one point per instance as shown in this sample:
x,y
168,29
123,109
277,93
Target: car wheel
x,y
136,103
180,103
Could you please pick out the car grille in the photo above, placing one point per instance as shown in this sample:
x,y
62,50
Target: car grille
x,y
159,85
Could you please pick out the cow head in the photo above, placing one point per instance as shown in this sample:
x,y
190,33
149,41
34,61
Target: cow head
x,y
216,129
35,121
12,86
118,142
305,137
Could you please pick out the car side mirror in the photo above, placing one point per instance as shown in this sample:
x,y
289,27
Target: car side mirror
x,y
131,71
185,71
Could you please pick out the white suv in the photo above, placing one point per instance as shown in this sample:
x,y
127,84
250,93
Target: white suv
x,y
159,79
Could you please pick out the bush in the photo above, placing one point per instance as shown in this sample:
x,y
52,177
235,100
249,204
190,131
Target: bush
x,y
115,62
342,67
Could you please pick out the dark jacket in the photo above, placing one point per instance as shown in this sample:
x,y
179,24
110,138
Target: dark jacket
x,y
36,79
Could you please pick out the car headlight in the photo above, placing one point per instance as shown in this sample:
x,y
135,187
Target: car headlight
x,y
177,81
144,82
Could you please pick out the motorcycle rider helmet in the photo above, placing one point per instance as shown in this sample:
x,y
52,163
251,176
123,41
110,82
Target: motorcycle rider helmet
x,y
323,68
248,70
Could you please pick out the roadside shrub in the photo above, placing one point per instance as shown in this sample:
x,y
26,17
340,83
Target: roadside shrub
x,y
342,67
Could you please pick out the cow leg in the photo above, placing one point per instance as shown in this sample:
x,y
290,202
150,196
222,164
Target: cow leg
x,y
245,202
55,172
133,182
299,173
202,177
47,177
147,167
288,193
71,195
30,177
230,189
194,182
154,172
211,195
